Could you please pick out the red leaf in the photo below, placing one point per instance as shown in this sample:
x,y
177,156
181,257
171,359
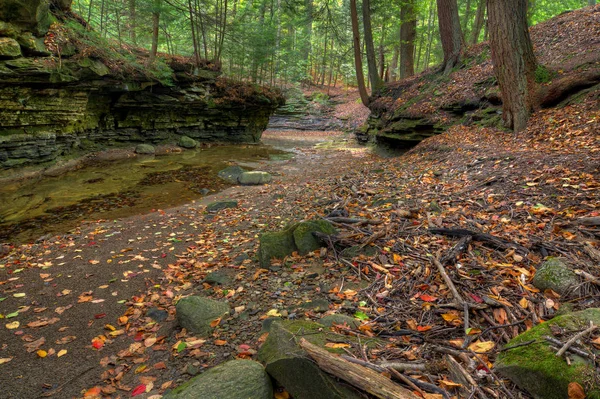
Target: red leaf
x,y
476,298
427,298
100,315
140,389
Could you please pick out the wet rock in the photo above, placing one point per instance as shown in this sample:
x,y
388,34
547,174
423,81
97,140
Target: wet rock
x,y
9,48
145,149
305,240
195,314
234,379
289,364
254,178
187,142
157,314
535,367
220,205
231,173
339,319
554,274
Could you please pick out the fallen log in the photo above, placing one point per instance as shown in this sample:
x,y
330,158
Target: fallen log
x,y
483,237
358,376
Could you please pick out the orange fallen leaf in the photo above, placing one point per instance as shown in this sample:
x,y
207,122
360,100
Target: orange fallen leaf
x,y
335,345
92,392
42,353
220,342
576,391
215,322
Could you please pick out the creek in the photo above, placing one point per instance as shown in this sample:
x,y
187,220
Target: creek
x,y
40,206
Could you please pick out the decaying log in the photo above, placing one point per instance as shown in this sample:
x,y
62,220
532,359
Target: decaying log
x,y
361,377
561,89
456,250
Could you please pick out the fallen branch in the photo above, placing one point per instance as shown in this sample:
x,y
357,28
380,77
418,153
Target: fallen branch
x,y
590,278
574,339
457,297
575,351
339,219
483,237
459,248
361,377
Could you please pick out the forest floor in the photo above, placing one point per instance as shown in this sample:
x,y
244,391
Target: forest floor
x,y
92,313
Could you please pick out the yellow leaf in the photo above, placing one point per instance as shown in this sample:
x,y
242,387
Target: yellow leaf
x,y
482,346
5,360
273,313
61,352
524,303
148,342
42,353
335,345
13,325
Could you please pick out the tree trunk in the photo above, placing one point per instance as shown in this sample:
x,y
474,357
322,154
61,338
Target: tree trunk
x,y
591,2
408,33
478,24
132,23
155,26
466,18
376,82
450,33
393,73
513,59
308,4
433,14
193,29
364,97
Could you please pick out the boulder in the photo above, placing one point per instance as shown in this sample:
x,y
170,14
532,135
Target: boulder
x,y
234,379
187,142
219,205
29,14
8,30
219,277
195,314
305,240
9,48
32,45
554,274
145,149
254,178
289,364
231,173
535,368
339,319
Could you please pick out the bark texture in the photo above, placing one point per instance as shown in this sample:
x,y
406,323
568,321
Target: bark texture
x,y
478,24
376,82
408,33
513,59
364,97
450,33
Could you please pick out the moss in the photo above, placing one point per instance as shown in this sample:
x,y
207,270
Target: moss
x,y
543,74
304,239
536,368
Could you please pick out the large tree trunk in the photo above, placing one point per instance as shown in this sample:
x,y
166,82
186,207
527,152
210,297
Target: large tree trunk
x,y
308,4
155,26
450,33
513,59
392,72
408,33
478,24
591,2
376,82
364,97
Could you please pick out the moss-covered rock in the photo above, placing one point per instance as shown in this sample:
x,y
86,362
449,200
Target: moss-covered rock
x,y
304,239
287,363
9,48
554,274
276,245
145,149
187,142
32,45
195,314
8,30
29,14
231,173
339,319
220,205
234,379
536,368
254,178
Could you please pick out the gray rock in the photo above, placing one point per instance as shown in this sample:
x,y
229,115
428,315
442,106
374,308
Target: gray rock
x,y
535,368
187,142
244,379
556,275
231,173
289,364
317,305
195,314
219,205
340,319
254,178
145,149
157,314
9,48
219,277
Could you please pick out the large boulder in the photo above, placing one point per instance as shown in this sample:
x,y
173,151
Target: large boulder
x,y
296,237
554,274
30,14
9,48
254,178
289,364
195,314
534,366
235,379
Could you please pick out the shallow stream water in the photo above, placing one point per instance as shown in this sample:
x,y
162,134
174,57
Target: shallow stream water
x,y
35,207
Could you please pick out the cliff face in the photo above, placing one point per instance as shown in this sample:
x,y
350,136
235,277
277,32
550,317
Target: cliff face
x,y
55,101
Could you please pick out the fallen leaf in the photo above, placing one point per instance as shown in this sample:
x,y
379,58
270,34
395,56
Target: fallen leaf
x,y
140,389
220,342
61,352
92,392
13,325
576,391
335,345
5,360
42,353
482,346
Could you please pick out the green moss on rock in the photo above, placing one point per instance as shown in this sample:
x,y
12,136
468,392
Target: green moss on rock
x,y
305,240
9,48
536,368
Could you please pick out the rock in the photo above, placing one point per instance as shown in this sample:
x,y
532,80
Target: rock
x,y
287,363
157,314
9,48
254,178
234,379
219,205
187,142
145,149
231,173
535,367
29,14
357,250
219,277
276,245
32,45
304,239
554,274
195,313
340,319
317,305
8,30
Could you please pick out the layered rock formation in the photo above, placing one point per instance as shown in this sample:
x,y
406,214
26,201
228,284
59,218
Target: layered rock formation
x,y
58,99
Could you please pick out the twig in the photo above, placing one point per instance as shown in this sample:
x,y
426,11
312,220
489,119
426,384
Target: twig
x,y
448,281
408,382
576,351
400,366
573,339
